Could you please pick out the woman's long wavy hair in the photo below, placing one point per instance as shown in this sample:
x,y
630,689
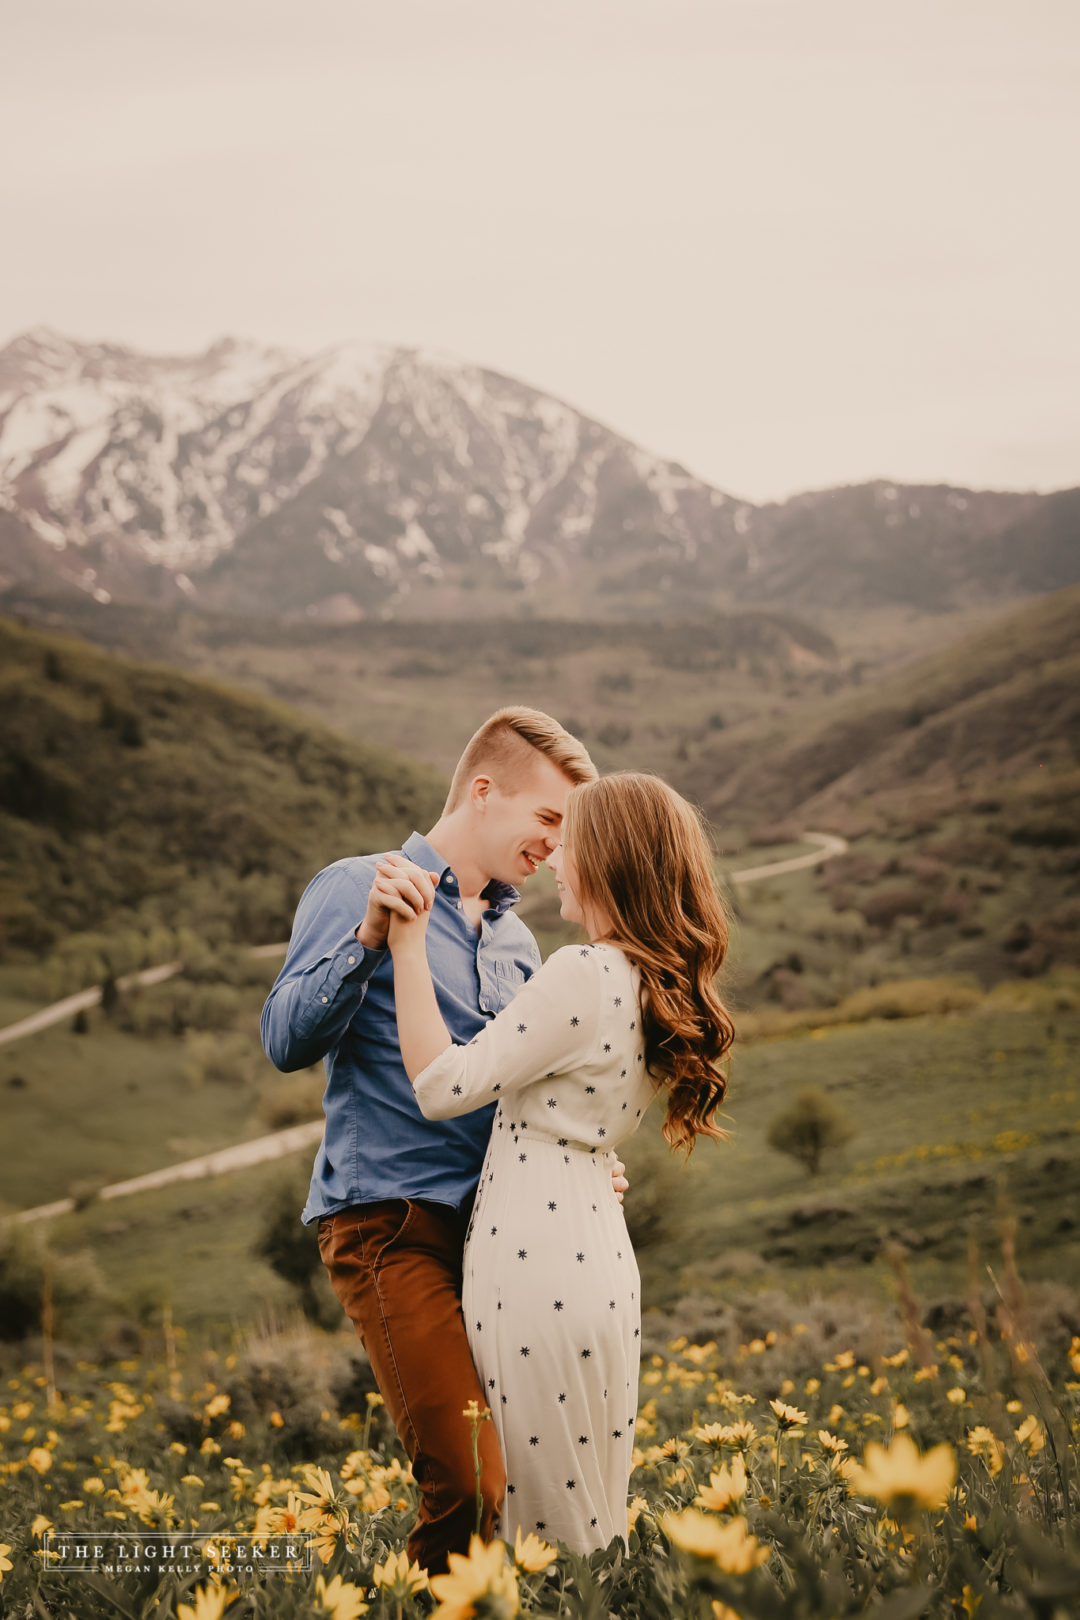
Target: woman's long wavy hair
x,y
642,858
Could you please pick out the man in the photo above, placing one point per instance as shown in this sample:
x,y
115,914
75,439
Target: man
x,y
390,1190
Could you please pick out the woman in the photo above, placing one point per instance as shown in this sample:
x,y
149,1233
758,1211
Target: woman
x,y
551,1290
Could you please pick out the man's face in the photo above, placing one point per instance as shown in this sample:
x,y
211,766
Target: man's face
x,y
519,830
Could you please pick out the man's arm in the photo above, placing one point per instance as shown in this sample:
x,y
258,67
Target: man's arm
x,y
338,940
325,976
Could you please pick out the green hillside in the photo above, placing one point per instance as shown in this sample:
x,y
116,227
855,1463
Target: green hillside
x,y
133,797
1005,695
957,781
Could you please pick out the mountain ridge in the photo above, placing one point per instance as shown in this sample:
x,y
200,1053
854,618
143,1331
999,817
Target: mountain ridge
x,y
375,480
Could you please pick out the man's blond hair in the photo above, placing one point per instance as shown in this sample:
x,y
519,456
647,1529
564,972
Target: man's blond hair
x,y
504,749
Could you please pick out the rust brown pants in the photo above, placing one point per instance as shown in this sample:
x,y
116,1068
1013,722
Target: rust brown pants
x,y
396,1268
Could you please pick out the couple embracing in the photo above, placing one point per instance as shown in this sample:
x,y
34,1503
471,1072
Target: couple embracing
x,y
467,1190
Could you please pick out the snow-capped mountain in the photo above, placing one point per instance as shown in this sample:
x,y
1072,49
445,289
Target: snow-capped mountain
x,y
378,480
254,479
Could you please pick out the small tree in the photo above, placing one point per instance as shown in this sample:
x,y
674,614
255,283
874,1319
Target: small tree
x,y
809,1129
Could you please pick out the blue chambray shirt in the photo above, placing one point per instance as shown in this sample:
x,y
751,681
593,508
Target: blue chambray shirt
x,y
334,1000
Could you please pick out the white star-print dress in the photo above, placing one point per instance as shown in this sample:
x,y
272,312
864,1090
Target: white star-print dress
x,y
552,1297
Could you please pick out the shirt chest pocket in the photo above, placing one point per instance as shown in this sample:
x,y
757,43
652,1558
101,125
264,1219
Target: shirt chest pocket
x,y
508,980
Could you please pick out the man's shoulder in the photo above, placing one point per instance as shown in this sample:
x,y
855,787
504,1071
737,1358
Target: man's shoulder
x,y
350,873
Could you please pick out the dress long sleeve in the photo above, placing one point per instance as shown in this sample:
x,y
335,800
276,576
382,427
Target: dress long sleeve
x,y
549,1028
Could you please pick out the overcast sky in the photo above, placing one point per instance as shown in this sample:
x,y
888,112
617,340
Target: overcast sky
x,y
791,243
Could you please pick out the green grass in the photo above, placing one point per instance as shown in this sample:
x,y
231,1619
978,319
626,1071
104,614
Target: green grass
x,y
109,1105
957,1120
190,1243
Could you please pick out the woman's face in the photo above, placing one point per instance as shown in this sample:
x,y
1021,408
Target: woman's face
x,y
561,862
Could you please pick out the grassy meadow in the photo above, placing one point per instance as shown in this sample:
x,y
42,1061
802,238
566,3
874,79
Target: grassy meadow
x,y
926,985
811,1475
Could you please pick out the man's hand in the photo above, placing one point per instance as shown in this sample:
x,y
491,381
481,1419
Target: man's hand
x,y
618,1178
401,889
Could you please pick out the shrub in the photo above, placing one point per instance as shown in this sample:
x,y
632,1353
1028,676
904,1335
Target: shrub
x,y
810,1128
290,1249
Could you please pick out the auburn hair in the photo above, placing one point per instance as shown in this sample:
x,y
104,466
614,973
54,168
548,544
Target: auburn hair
x,y
504,747
642,858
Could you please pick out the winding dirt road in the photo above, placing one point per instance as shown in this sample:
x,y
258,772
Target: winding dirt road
x,y
281,1143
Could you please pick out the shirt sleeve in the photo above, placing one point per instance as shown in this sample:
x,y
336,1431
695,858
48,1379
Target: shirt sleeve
x,y
326,972
551,1026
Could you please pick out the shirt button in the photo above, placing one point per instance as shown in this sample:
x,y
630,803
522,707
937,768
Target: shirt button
x,y
325,999
352,959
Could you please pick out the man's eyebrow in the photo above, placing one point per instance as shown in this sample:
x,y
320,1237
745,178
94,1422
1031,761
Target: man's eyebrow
x,y
545,810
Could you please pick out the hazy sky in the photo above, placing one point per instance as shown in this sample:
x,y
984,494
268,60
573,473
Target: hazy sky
x,y
791,243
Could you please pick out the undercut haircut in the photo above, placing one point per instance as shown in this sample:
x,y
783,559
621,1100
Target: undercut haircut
x,y
505,748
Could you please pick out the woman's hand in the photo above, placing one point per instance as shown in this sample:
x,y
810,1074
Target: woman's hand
x,y
404,894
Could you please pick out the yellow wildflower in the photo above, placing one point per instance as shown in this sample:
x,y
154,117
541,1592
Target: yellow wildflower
x,y
533,1554
215,1407
725,1486
831,1442
788,1417
93,1485
193,1480
340,1598
209,1604
40,1460
729,1544
901,1416
633,1513
901,1478
287,1520
276,1420
722,1611
325,1541
40,1525
483,1574
982,1442
5,1561
69,1507
399,1574
956,1395
1030,1434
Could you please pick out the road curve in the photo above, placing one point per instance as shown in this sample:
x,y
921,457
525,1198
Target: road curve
x,y
828,846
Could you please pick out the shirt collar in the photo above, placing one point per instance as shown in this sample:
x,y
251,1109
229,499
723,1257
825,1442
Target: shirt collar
x,y
500,896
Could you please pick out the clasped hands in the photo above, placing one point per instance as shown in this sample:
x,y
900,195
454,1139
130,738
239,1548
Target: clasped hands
x,y
399,903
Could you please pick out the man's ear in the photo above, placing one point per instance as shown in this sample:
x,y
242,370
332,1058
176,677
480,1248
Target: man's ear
x,y
479,790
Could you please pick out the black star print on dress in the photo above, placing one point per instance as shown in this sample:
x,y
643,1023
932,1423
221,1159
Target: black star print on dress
x,y
560,1302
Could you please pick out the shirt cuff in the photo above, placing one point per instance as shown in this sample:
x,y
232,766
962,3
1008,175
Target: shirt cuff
x,y
356,962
